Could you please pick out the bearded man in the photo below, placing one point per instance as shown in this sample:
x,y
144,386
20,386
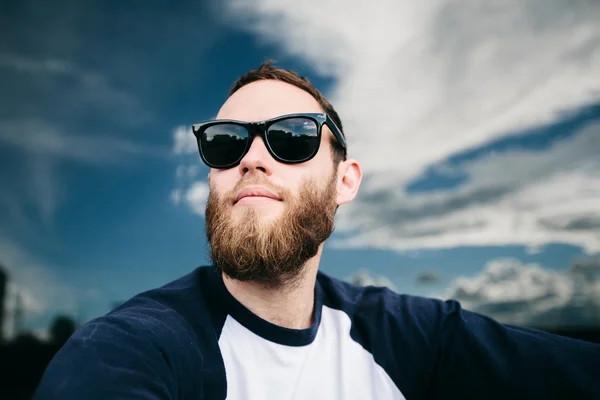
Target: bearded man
x,y
262,322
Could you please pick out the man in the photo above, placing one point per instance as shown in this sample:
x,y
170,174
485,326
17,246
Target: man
x,y
263,323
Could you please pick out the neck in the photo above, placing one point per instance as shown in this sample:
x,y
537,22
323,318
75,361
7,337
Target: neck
x,y
290,307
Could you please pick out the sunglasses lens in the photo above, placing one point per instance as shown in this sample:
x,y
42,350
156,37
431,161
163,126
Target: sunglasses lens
x,y
223,144
294,139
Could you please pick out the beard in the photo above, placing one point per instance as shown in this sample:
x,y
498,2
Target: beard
x,y
272,253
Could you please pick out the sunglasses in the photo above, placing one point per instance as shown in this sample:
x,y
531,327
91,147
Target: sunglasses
x,y
290,139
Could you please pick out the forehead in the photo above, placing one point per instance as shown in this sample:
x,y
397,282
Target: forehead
x,y
267,99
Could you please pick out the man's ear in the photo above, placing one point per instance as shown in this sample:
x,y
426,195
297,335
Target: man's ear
x,y
348,182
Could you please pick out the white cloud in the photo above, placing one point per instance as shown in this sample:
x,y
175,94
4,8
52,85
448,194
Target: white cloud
x,y
184,140
189,171
363,277
39,289
527,294
519,197
193,193
176,196
196,196
433,79
193,170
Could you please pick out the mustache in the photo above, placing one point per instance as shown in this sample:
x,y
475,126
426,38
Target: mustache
x,y
261,180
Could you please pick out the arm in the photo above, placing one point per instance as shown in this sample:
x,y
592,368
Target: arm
x,y
480,358
114,357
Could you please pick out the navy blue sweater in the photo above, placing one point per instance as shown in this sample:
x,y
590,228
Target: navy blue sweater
x,y
190,339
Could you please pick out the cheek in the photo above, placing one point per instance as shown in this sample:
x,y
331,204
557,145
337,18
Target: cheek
x,y
221,182
321,171
294,182
323,161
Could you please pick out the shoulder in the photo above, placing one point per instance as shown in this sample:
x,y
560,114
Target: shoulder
x,y
155,342
160,318
166,312
171,320
377,302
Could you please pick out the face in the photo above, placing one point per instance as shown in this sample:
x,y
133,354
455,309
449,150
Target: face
x,y
265,219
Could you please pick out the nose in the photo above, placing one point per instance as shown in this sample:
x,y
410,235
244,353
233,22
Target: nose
x,y
257,159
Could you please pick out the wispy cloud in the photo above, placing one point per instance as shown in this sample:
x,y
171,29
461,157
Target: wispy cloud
x,y
45,148
38,66
430,80
48,132
84,89
46,139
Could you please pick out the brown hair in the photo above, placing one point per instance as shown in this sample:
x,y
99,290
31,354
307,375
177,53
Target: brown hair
x,y
267,70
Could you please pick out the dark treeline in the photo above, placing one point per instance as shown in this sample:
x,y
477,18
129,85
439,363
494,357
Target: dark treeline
x,y
24,359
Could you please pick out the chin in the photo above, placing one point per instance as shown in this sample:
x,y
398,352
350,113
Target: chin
x,y
266,212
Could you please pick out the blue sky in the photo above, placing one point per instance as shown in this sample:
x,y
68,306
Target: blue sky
x,y
479,145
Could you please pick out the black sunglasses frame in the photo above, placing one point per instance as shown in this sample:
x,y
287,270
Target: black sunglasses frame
x,y
260,128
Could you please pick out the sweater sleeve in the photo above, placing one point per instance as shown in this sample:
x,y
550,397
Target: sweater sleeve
x,y
120,356
480,358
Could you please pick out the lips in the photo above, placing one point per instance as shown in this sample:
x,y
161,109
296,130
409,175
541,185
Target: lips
x,y
256,191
